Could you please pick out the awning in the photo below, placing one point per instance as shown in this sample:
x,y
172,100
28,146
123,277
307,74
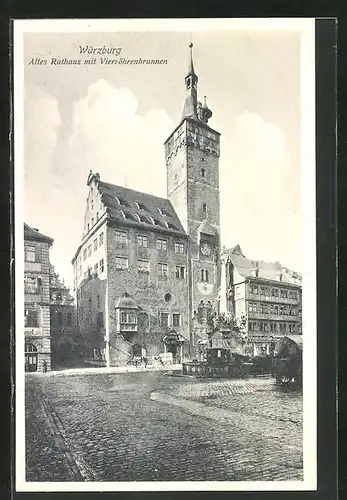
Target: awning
x,y
174,338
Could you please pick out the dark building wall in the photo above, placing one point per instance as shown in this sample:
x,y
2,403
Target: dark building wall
x,y
38,300
148,289
91,314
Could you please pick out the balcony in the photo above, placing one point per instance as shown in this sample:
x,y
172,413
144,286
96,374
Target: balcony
x,y
270,299
274,317
32,331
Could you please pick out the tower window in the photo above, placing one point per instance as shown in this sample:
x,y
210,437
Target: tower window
x,y
204,207
203,172
204,275
180,272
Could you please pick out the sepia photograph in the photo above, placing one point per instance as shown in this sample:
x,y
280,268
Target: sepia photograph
x,y
165,254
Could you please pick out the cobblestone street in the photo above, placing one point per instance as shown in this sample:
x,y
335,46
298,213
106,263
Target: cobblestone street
x,y
155,427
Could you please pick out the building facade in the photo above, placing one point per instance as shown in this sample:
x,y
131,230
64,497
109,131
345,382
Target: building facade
x,y
264,296
146,263
63,321
37,300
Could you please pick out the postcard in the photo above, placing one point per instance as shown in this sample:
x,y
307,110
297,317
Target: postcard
x,y
165,255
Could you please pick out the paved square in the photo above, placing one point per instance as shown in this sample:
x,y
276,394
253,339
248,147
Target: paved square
x,y
154,427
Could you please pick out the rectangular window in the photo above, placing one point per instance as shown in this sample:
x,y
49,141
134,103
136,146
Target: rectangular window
x,y
96,268
32,284
237,290
284,294
252,307
291,327
142,241
128,317
31,318
85,254
101,265
90,304
161,244
98,300
101,239
162,269
253,289
179,247
176,319
263,308
95,244
264,290
143,266
204,207
69,319
204,275
60,318
121,238
121,262
283,327
180,272
89,250
100,320
274,292
164,319
30,253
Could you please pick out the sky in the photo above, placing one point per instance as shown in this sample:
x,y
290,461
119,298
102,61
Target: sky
x,y
114,120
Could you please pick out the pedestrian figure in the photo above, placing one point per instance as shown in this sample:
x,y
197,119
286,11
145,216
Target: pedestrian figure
x,y
144,356
44,366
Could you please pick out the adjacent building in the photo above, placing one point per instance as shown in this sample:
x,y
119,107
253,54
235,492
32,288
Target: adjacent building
x,y
63,322
264,296
37,300
146,264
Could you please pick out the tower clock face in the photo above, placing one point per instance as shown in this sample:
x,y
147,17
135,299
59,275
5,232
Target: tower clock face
x,y
206,249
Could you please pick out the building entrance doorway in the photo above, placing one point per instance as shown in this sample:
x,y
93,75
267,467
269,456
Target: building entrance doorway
x,y
30,358
173,343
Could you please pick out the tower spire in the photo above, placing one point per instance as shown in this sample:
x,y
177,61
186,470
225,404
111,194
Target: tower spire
x,y
191,64
191,81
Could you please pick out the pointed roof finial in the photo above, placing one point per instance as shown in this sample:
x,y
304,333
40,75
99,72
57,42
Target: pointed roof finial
x,y
191,65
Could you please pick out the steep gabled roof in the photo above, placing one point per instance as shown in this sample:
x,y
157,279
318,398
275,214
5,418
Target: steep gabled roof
x,y
266,270
33,234
142,209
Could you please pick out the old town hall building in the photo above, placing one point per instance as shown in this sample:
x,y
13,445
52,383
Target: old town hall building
x,y
146,264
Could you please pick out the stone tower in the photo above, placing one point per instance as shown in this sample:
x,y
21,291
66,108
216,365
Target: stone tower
x,y
192,161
